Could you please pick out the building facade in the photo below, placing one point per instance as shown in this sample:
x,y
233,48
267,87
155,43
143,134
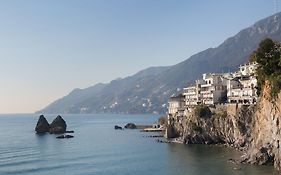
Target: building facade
x,y
191,95
176,104
214,88
209,90
242,88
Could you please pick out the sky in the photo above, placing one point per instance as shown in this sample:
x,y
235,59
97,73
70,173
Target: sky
x,y
48,48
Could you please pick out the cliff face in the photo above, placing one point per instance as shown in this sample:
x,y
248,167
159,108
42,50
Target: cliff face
x,y
254,129
265,136
228,124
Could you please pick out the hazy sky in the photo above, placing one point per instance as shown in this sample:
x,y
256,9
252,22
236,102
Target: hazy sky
x,y
47,48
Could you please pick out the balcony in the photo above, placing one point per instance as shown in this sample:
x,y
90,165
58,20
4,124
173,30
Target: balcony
x,y
206,85
206,92
189,93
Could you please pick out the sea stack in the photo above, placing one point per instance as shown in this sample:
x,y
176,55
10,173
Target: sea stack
x,y
58,126
130,126
42,125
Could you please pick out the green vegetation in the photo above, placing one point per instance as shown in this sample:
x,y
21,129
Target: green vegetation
x,y
203,111
196,128
268,56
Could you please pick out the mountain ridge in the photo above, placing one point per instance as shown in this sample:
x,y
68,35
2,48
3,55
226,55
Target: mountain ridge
x,y
148,90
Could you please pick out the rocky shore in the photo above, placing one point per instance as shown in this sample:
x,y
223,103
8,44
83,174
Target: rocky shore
x,y
253,129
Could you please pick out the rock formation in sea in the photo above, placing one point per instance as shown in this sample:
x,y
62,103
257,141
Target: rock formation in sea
x,y
130,126
118,127
42,125
58,126
64,136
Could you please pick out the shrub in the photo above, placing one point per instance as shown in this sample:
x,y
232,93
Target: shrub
x,y
196,128
275,80
203,111
268,56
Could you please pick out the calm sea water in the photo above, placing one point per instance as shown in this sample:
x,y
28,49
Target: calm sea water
x,y
99,149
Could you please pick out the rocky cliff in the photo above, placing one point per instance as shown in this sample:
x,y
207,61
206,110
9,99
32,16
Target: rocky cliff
x,y
264,143
254,129
228,124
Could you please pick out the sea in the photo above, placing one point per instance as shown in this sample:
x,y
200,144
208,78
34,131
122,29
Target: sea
x,y
98,149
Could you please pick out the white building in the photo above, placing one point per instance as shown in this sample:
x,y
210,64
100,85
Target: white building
x,y
209,90
213,89
176,104
191,94
243,87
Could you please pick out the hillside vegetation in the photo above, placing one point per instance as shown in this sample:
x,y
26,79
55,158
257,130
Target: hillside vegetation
x,y
268,55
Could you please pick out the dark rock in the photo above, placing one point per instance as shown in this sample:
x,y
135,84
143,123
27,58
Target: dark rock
x,y
60,137
68,136
64,136
118,127
69,131
263,157
245,159
58,126
162,141
131,126
42,125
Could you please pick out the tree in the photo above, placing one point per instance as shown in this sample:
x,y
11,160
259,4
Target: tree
x,y
268,56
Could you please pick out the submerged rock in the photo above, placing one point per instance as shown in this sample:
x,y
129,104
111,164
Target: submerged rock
x,y
60,137
69,136
58,126
42,125
118,127
131,126
64,136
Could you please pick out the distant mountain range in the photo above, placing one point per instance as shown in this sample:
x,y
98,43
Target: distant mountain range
x,y
148,90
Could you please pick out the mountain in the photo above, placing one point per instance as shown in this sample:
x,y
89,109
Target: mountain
x,y
148,90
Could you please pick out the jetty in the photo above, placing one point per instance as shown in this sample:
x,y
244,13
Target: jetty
x,y
153,130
